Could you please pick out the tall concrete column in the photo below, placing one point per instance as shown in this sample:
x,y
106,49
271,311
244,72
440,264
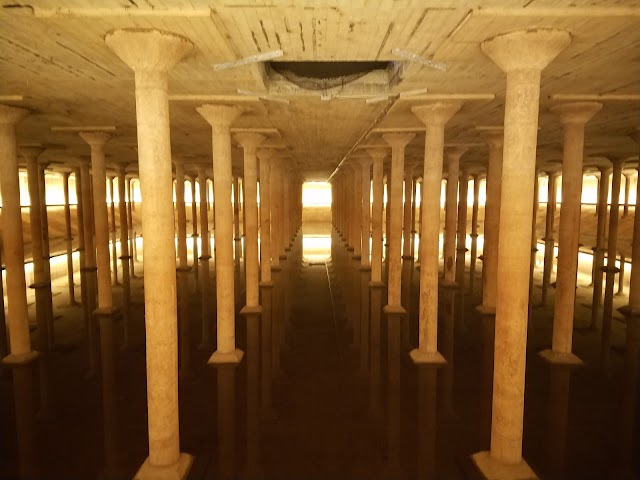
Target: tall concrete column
x,y
68,238
493,136
398,142
250,143
627,187
598,251
90,268
124,256
151,54
81,245
265,215
435,116
522,55
451,214
276,211
220,117
407,209
13,243
183,271
376,285
194,232
206,341
573,116
133,250
205,246
236,208
549,238
114,247
462,226
96,141
611,269
634,281
365,263
474,233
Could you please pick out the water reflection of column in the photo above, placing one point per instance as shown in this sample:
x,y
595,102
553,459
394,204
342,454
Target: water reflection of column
x,y
427,423
557,416
628,411
486,379
598,250
226,421
68,238
447,341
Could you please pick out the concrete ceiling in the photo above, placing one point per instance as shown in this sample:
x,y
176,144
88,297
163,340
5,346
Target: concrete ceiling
x,y
55,58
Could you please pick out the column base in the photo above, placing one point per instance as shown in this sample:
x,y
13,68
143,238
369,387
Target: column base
x,y
248,310
482,310
13,360
493,469
373,284
407,257
560,358
451,284
276,268
394,310
231,358
177,471
420,359
266,284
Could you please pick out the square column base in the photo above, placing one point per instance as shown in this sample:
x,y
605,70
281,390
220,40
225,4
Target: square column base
x,y
177,471
423,359
220,359
560,358
493,469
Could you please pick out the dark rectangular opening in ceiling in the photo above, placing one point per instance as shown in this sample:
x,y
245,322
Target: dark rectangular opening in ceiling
x,y
323,75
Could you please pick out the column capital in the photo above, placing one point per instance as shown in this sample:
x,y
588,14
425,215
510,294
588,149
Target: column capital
x,y
148,50
364,162
31,152
526,49
220,117
436,113
95,139
454,153
493,136
249,140
398,140
577,113
377,153
12,115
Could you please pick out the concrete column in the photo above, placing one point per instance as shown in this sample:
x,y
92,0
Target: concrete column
x,y
81,245
534,237
398,142
41,278
634,285
265,216
220,117
114,248
89,268
522,55
276,211
451,214
611,269
549,239
124,255
365,263
462,226
68,238
194,232
407,209
13,243
151,54
236,208
573,116
493,136
205,246
627,187
435,116
598,251
250,142
133,250
96,141
474,232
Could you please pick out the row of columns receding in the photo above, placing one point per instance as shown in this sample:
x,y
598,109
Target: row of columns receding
x,y
509,231
166,284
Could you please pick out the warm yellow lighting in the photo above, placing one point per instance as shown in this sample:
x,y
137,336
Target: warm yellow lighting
x,y
316,194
